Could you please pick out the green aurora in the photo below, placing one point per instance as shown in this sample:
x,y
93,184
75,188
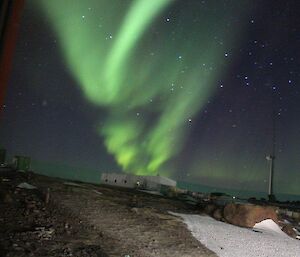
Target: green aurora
x,y
151,83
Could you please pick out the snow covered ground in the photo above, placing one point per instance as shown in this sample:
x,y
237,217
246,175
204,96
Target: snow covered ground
x,y
265,240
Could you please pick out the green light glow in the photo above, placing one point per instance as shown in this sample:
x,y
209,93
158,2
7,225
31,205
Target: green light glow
x,y
136,21
151,83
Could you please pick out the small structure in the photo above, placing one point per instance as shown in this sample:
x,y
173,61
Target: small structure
x,y
21,163
153,183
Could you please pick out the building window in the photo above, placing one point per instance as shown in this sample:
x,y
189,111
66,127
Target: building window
x,y
115,181
106,180
125,181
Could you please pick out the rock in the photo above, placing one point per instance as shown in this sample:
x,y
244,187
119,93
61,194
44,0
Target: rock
x,y
135,210
30,205
66,225
7,198
289,230
210,208
218,214
247,215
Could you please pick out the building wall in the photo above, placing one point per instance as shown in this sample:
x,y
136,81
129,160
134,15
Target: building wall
x,y
132,181
121,180
162,180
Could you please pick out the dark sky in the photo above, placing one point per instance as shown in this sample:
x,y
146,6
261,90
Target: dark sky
x,y
187,89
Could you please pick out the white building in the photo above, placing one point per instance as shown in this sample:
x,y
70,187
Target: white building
x,y
133,181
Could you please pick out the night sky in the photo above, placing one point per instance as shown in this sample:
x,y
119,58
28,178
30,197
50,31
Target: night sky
x,y
188,89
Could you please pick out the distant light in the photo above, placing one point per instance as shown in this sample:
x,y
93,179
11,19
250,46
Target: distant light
x,y
168,19
226,54
82,16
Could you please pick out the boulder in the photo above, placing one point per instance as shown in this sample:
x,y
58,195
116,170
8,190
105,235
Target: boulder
x,y
247,215
210,208
218,214
289,230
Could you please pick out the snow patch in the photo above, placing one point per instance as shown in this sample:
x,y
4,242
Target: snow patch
x,y
227,240
270,227
25,185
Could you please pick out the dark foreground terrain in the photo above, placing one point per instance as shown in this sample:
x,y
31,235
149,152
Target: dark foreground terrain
x,y
59,218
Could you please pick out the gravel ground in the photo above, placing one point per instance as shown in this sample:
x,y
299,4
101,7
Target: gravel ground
x,y
59,219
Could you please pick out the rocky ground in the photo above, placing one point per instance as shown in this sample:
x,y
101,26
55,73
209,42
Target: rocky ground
x,y
77,219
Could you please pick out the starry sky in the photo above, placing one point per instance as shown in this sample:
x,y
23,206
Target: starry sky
x,y
192,90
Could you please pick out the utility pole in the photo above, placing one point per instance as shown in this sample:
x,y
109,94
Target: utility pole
x,y
271,157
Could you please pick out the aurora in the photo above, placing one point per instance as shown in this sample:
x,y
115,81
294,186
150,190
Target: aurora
x,y
150,96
